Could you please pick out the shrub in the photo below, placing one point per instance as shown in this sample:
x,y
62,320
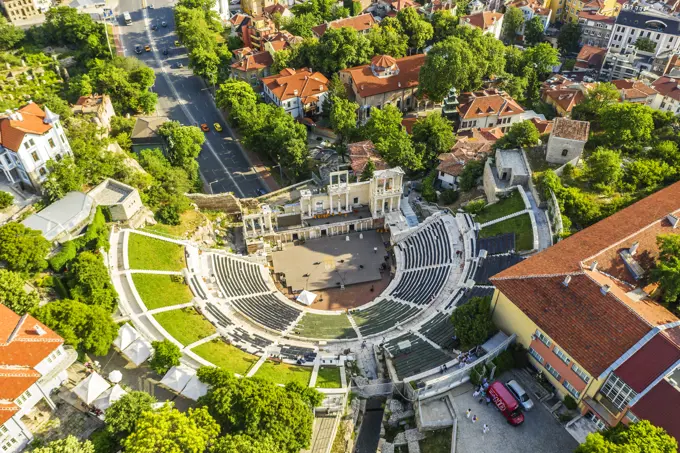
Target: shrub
x,y
472,322
449,196
477,374
570,402
6,199
97,235
59,287
474,207
64,256
519,355
166,355
504,362
427,188
168,214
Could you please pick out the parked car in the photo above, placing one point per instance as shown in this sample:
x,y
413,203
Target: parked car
x,y
147,48
165,51
217,127
138,49
519,393
505,403
154,27
164,24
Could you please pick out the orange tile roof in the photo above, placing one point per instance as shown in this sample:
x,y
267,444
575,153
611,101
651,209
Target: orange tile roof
x,y
534,5
12,132
26,348
302,83
398,5
592,15
591,56
15,381
565,98
634,89
482,20
7,410
359,155
368,84
476,145
253,62
571,129
668,86
481,104
543,126
360,23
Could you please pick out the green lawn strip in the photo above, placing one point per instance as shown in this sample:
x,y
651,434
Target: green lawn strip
x,y
329,378
282,373
506,206
154,254
158,290
186,325
226,356
520,225
437,441
325,326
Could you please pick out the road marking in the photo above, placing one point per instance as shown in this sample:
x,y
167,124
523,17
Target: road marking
x,y
181,102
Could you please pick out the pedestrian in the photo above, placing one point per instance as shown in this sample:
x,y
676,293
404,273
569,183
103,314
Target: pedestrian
x,y
468,413
375,249
476,393
474,419
485,429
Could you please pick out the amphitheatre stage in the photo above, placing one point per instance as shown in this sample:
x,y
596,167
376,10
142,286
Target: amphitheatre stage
x,y
331,261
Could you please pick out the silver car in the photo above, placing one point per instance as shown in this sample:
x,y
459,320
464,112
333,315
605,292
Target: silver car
x,y
519,393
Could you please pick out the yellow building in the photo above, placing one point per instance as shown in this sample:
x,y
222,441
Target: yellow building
x,y
580,311
256,7
568,10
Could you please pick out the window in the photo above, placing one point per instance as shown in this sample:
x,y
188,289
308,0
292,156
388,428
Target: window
x,y
24,396
356,200
632,417
35,156
42,171
58,157
617,391
9,444
580,373
535,355
51,142
560,353
553,371
543,339
27,145
32,142
570,388
565,152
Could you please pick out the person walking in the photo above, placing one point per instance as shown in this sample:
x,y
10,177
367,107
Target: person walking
x,y
485,429
474,419
468,413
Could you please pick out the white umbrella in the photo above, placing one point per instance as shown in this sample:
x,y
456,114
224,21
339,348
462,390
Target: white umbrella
x,y
91,387
126,335
177,378
115,376
195,389
306,297
110,396
138,351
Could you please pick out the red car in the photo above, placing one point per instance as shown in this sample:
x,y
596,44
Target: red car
x,y
204,127
506,403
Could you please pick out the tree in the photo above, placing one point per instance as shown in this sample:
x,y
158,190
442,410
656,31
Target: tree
x,y
418,30
90,283
513,20
602,95
603,167
627,123
166,194
521,135
388,41
13,294
448,64
281,61
435,133
128,82
644,173
443,24
6,199
343,118
341,48
259,409
533,32
70,444
165,356
85,327
65,26
645,45
171,431
472,322
310,396
301,25
472,171
122,415
23,249
637,437
241,443
667,270
390,139
488,52
10,35
237,97
184,145
542,57
368,172
567,40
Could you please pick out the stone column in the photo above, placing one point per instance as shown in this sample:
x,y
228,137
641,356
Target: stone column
x,y
391,199
252,226
347,200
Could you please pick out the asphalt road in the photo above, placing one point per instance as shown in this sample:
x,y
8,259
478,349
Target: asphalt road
x,y
185,98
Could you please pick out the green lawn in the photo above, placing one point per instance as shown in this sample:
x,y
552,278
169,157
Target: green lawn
x,y
504,207
155,254
186,325
329,378
282,373
520,225
189,221
226,356
437,441
325,326
157,290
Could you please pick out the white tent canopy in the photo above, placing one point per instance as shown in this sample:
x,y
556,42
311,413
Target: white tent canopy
x,y
91,387
177,378
306,297
109,397
195,389
138,351
115,376
126,335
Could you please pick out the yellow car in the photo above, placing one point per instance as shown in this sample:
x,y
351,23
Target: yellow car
x,y
178,44
218,127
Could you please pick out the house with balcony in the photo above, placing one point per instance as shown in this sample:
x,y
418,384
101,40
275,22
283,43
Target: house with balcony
x,y
300,92
585,309
487,108
635,22
596,29
30,137
33,363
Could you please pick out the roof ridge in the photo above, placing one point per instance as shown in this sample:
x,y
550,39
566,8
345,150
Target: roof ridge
x,y
527,277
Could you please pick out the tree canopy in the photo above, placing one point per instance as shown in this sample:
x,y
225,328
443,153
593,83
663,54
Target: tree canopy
x,y
184,145
127,80
13,294
418,30
600,96
603,167
166,354
90,283
122,415
435,133
639,437
645,45
513,20
568,39
70,444
390,139
23,249
449,63
626,123
387,40
472,322
667,270
533,31
341,48
521,135
10,35
343,117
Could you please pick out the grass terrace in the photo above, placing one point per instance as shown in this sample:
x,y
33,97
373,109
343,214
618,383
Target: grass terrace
x,y
282,373
189,221
226,356
325,326
506,206
159,290
155,254
437,441
520,225
329,378
186,325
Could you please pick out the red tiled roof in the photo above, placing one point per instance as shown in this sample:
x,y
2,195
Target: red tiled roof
x,y
12,132
668,86
567,99
591,56
634,89
7,410
398,5
543,126
302,83
15,381
481,104
359,155
27,347
360,23
571,129
651,361
253,62
368,84
592,15
660,406
482,20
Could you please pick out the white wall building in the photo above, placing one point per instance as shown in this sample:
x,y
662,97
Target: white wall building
x,y
637,22
300,92
29,138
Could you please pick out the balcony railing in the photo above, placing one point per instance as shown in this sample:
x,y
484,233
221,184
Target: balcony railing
x,y
67,359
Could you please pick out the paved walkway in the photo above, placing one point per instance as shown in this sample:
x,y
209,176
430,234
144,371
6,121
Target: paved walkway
x,y
544,236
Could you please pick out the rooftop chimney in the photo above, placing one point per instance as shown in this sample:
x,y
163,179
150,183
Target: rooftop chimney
x,y
566,281
17,328
605,290
633,248
593,266
673,220
39,330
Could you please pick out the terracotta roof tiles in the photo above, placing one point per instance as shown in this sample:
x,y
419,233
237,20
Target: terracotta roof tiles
x,y
487,103
368,84
571,129
12,131
360,23
359,155
302,83
482,20
668,86
254,62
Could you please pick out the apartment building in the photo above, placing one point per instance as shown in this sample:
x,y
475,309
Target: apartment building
x,y
583,309
30,137
638,22
531,9
596,29
487,108
33,362
361,23
570,10
300,92
669,91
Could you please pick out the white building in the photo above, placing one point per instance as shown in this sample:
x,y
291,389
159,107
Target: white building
x,y
29,138
488,21
300,92
567,140
487,108
33,362
637,22
531,9
669,91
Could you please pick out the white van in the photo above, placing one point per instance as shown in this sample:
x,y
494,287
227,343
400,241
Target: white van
x,y
519,393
